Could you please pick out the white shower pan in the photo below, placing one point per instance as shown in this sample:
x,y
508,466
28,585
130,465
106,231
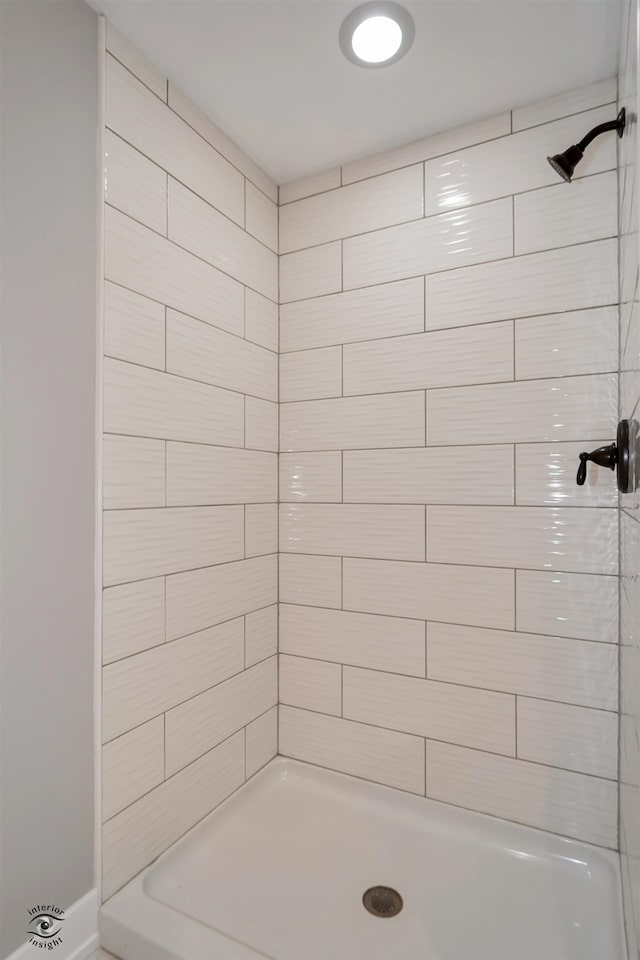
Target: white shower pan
x,y
279,870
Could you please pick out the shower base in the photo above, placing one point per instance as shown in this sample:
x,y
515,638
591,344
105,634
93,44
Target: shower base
x,y
280,869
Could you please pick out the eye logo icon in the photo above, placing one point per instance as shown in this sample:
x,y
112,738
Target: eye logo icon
x,y
45,924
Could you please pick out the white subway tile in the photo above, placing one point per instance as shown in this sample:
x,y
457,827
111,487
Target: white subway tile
x,y
469,176
574,738
570,804
311,273
138,258
153,128
355,530
141,687
311,476
369,205
546,476
629,596
261,424
311,374
557,217
133,60
524,412
206,720
443,358
139,834
549,538
262,217
149,403
213,135
261,529
430,591
133,472
131,766
261,320
395,759
575,605
563,345
308,186
199,474
433,146
571,279
133,327
132,618
386,310
203,597
564,104
134,185
570,671
441,711
482,475
359,639
204,231
445,242
138,544
314,581
385,421
261,743
311,684
260,635
201,352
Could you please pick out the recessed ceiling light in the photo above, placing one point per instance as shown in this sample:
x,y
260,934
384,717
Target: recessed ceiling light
x,y
377,34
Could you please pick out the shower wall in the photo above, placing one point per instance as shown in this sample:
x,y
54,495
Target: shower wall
x,y
448,336
190,466
629,503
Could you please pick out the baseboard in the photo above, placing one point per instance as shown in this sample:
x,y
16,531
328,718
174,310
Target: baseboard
x,y
79,934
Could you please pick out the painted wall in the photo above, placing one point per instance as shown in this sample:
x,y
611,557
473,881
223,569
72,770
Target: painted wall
x,y
448,335
190,467
49,109
629,503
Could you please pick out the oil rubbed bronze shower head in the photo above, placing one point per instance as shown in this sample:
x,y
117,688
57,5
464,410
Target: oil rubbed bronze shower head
x,y
565,163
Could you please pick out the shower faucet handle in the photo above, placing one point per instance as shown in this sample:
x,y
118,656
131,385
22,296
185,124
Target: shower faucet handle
x,y
603,456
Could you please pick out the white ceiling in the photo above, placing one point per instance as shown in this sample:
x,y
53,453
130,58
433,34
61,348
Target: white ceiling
x,y
271,73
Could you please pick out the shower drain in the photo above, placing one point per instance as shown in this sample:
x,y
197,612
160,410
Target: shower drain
x,y
382,901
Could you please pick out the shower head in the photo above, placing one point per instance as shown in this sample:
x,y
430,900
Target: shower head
x,y
565,163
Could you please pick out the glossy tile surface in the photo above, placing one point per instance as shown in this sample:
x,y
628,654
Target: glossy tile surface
x,y
459,362
482,475
395,420
133,327
482,354
471,176
386,310
525,664
369,205
576,541
549,282
189,466
353,530
556,409
444,242
446,316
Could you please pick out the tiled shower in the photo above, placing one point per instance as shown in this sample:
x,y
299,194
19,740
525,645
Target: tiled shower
x,y
447,344
340,422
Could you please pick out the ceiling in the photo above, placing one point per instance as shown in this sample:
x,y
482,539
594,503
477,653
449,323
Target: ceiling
x,y
271,74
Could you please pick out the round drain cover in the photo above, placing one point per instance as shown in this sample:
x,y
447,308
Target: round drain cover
x,y
382,901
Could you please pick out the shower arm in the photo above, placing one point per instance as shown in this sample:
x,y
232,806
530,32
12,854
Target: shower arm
x,y
617,124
